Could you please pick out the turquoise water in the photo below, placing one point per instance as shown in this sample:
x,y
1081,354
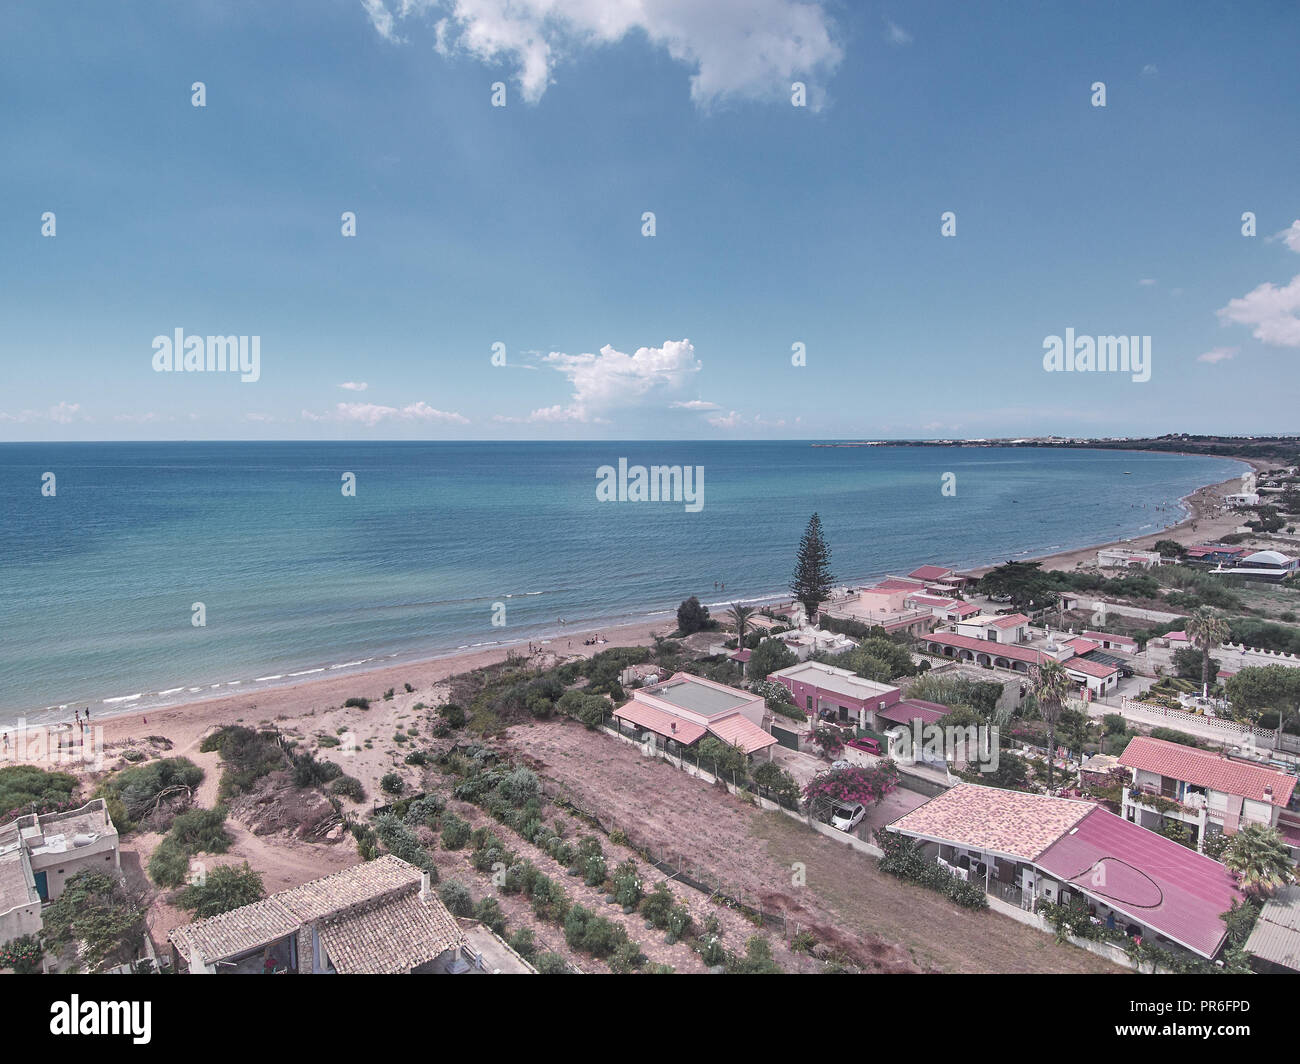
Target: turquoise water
x,y
99,581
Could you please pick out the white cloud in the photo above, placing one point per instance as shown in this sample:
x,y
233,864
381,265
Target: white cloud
x,y
746,49
1218,354
354,386
61,412
371,414
1290,236
65,412
1147,282
695,404
612,380
1270,311
735,420
1150,70
895,34
139,419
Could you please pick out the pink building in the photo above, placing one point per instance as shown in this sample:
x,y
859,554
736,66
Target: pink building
x,y
685,708
825,692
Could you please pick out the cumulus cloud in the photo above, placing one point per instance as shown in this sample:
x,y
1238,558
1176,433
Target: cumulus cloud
x,y
695,404
736,420
61,413
745,49
1218,354
1290,236
354,386
612,380
1270,311
371,414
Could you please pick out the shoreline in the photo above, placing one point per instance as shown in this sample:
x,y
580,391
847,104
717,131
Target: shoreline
x,y
1203,519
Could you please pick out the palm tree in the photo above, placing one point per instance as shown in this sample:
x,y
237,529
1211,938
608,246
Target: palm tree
x,y
1052,685
1260,858
740,616
1207,629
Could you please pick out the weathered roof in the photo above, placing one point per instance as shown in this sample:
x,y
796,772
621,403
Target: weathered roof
x,y
250,927
390,938
1110,637
1089,667
930,572
695,694
1276,936
1204,768
910,709
992,819
985,646
1011,620
1170,888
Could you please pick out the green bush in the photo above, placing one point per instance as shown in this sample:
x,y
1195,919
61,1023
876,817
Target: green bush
x,y
392,783
349,787
452,714
551,964
522,942
488,912
226,887
455,895
455,832
135,793
357,703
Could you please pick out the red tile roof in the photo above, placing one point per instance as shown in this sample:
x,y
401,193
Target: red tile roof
x,y
742,732
1177,891
930,572
1083,646
1090,668
1108,637
895,583
1205,769
986,646
910,709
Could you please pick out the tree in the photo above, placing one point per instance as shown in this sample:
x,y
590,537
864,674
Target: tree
x,y
1206,628
1051,688
226,887
1261,860
1187,664
28,789
692,616
1170,548
853,784
812,580
1021,582
1260,687
771,655
96,911
740,616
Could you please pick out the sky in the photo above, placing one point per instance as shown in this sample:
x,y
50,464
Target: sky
x,y
798,282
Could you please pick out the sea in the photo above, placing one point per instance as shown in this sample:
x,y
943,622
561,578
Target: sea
x,y
444,547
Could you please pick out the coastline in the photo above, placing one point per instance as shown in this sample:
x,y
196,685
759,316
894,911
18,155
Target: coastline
x,y
1204,519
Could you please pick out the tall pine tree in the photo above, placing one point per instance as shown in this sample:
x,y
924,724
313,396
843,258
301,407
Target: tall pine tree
x,y
812,578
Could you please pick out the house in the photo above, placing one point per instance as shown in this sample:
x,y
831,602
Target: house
x,y
380,917
39,853
1024,847
1239,499
1120,643
683,709
995,628
1274,944
1010,643
805,642
884,605
944,609
825,692
1120,558
1214,554
939,578
1269,566
1208,792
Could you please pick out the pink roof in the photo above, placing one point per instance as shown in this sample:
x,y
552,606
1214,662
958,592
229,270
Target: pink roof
x,y
661,723
1202,768
742,732
1011,621
1015,823
895,583
741,655
933,600
1175,890
1090,668
966,608
929,572
910,709
986,646
1107,637
1176,636
1083,646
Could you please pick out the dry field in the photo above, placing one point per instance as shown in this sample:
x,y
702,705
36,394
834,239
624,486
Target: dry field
x,y
885,923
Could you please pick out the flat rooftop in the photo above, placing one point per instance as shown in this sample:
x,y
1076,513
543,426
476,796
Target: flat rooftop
x,y
698,697
836,680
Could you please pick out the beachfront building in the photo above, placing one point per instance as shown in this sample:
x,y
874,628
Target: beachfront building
x,y
885,606
380,917
940,579
1011,643
39,853
825,692
1120,558
1208,792
677,713
995,628
1219,554
1268,566
1024,847
1240,499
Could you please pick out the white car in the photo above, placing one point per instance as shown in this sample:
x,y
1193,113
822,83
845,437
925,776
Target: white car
x,y
848,817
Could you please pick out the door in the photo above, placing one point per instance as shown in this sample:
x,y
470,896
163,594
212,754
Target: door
x,y
42,885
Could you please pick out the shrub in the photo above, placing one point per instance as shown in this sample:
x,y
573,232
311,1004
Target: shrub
x,y
627,958
757,959
452,714
903,858
455,895
388,695
135,793
349,787
627,884
95,913
402,842
417,757
22,954
226,887
551,964
488,912
455,832
522,942
657,905
392,783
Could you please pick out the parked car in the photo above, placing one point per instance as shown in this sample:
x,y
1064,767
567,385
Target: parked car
x,y
848,816
871,746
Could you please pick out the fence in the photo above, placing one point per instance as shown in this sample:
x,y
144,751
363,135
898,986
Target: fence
x,y
1226,730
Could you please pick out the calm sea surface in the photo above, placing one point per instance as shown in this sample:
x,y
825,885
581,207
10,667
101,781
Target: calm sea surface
x,y
97,584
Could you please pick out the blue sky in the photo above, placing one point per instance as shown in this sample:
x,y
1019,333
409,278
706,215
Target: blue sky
x,y
521,224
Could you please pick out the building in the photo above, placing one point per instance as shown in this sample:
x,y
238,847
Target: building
x,y
1025,847
1214,554
1120,558
1240,499
885,606
1269,566
995,628
825,692
1274,944
1010,643
1208,792
1107,641
39,853
380,917
683,709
